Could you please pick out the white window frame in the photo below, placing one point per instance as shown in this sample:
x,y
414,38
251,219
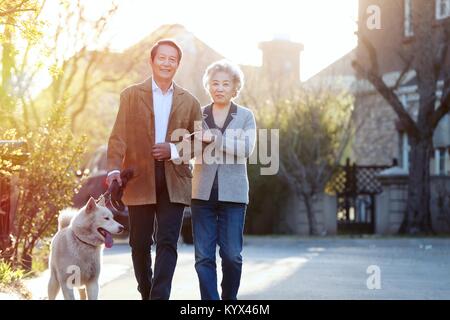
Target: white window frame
x,y
446,165
407,19
437,157
442,14
408,99
405,150
442,161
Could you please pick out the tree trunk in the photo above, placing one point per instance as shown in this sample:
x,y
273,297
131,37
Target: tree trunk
x,y
26,261
312,222
417,219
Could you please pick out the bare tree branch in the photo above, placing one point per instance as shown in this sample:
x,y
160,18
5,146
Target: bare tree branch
x,y
373,58
442,67
18,8
390,96
408,62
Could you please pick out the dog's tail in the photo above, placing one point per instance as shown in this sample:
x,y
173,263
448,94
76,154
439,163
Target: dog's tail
x,y
64,218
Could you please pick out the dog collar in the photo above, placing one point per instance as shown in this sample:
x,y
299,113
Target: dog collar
x,y
89,244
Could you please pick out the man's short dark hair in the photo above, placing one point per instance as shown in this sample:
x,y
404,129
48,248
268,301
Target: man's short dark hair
x,y
168,42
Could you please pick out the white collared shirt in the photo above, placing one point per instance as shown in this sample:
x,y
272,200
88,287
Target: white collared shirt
x,y
162,105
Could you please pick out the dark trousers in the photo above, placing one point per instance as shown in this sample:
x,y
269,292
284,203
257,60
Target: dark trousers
x,y
220,223
162,220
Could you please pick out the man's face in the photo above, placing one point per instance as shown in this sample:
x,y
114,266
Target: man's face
x,y
165,63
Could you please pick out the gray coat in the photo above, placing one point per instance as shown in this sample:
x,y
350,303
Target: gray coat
x,y
235,146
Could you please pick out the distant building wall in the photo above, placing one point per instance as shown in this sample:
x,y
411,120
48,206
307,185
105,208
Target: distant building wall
x,y
391,203
295,219
376,140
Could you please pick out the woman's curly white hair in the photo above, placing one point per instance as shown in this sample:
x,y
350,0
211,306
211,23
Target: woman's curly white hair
x,y
227,66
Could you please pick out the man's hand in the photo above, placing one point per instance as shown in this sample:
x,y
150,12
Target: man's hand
x,y
161,151
113,176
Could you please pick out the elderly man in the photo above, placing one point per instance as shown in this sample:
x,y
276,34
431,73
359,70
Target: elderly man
x,y
149,112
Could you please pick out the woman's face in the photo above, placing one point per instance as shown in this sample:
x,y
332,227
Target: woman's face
x,y
221,87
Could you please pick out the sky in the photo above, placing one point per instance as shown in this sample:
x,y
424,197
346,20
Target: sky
x,y
235,27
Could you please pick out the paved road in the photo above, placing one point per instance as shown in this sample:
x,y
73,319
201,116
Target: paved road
x,y
299,268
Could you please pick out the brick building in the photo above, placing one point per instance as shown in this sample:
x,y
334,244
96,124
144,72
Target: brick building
x,y
380,137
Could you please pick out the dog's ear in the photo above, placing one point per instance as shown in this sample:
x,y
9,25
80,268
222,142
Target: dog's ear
x,y
91,205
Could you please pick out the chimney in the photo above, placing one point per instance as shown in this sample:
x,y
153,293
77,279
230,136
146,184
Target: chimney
x,y
281,59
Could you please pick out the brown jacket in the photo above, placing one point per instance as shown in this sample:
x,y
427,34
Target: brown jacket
x,y
133,135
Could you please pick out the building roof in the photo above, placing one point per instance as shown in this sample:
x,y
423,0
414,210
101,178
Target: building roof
x,y
339,74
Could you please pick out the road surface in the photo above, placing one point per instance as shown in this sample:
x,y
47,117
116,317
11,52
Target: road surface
x,y
301,268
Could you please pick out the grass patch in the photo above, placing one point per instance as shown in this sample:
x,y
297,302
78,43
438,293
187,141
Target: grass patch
x,y
40,257
11,280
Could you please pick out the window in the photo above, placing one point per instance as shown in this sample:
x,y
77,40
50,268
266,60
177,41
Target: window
x,y
411,104
440,166
442,9
434,168
447,162
442,161
404,151
408,26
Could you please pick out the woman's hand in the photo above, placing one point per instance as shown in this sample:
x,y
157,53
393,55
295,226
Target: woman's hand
x,y
187,137
203,136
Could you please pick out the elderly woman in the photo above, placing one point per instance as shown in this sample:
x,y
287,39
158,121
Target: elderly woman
x,y
220,183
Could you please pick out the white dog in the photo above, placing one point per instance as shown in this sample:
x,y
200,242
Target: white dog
x,y
76,249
